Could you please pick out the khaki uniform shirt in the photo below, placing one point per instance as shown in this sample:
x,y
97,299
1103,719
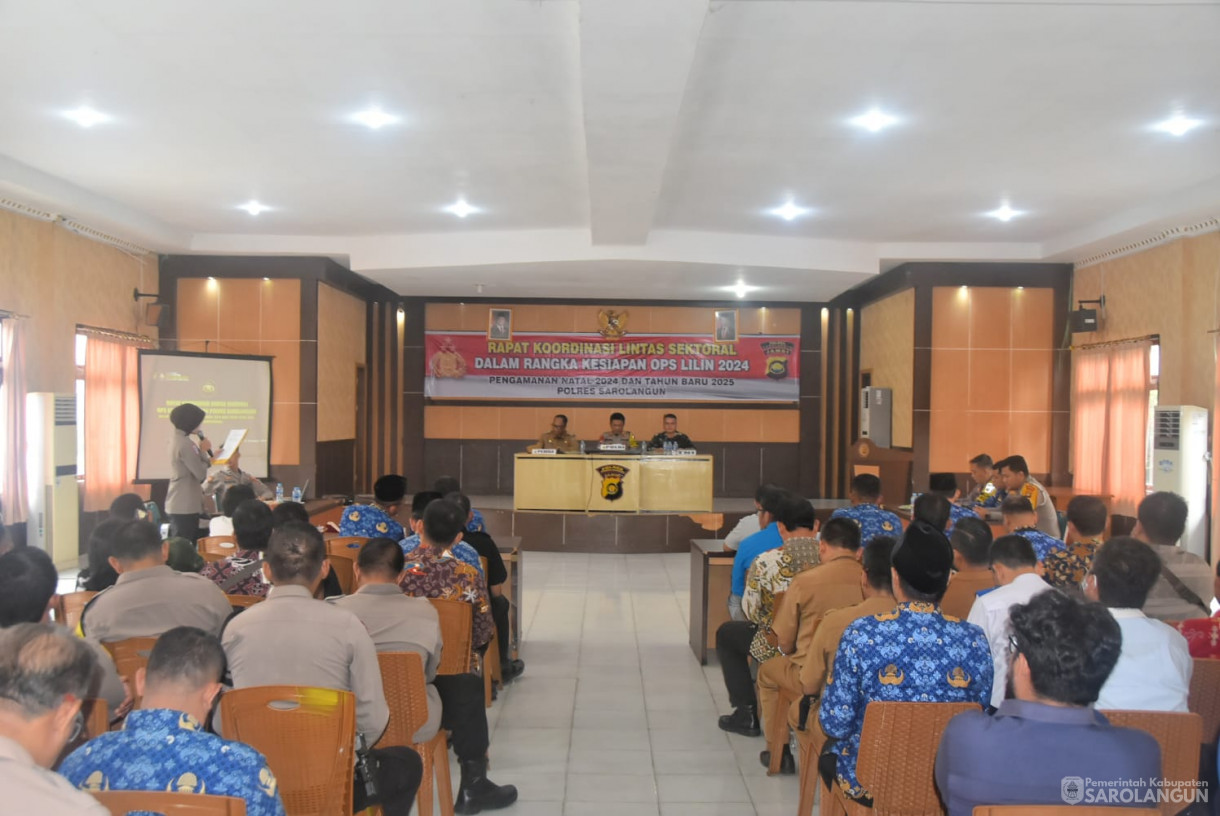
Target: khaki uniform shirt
x,y
820,658
30,789
811,594
963,588
1048,519
292,639
400,623
1164,603
566,442
188,467
148,602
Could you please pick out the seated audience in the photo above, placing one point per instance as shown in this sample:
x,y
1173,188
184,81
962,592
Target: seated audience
x,y
183,553
99,575
1061,652
669,434
446,485
497,574
971,542
865,510
987,491
45,673
380,518
767,538
933,508
1015,566
292,639
461,550
287,511
128,507
1086,526
616,435
945,485
164,747
832,584
399,623
1014,473
150,598
28,579
223,525
242,572
433,572
1154,667
1184,589
747,525
1020,518
223,478
1202,634
910,653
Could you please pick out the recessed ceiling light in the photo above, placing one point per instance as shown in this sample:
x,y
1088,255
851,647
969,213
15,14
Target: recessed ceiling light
x,y
1177,125
741,288
790,210
375,118
86,116
873,121
253,207
462,208
1004,213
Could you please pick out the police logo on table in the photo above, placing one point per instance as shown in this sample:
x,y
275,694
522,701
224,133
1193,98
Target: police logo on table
x,y
612,481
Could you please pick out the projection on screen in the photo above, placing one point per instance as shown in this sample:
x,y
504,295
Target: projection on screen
x,y
235,391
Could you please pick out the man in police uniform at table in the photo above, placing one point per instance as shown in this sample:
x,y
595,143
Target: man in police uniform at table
x,y
671,434
557,437
617,435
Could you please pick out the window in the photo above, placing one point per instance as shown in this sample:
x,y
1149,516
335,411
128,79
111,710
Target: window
x,y
82,342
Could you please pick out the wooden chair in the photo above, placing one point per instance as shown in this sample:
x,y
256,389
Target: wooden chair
x,y
245,601
308,736
1180,735
68,608
809,745
343,552
406,693
217,548
491,661
1061,810
1205,697
121,803
129,656
897,759
96,714
457,620
776,720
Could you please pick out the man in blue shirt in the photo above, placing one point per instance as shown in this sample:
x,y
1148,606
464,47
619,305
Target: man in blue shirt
x,y
163,746
1020,518
1061,651
461,550
910,654
769,498
377,520
865,495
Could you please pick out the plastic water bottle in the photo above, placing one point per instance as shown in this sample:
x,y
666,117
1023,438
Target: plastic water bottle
x,y
582,447
279,491
296,494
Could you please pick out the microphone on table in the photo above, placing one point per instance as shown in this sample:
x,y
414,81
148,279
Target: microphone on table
x,y
201,438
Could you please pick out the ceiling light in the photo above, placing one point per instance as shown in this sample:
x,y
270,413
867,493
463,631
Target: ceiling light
x,y
1177,125
374,118
86,116
873,121
1004,213
790,210
741,289
461,208
253,207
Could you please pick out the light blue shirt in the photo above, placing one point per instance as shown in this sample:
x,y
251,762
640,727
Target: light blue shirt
x,y
754,545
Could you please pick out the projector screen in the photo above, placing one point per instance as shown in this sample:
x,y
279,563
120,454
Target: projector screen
x,y
235,391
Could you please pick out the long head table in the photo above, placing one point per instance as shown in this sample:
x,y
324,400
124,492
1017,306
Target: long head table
x,y
609,483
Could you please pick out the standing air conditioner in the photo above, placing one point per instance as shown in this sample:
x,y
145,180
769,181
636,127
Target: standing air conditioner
x,y
875,407
54,519
1179,465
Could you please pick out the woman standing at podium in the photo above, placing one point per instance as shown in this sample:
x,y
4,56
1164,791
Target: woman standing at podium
x,y
188,464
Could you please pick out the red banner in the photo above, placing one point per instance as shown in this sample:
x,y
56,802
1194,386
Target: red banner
x,y
638,367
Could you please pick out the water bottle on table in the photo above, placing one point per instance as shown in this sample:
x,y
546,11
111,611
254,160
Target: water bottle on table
x,y
296,494
279,491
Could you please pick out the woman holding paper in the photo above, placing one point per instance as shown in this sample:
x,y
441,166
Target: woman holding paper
x,y
188,468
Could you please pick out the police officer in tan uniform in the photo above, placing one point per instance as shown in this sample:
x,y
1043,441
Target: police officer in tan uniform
x,y
557,437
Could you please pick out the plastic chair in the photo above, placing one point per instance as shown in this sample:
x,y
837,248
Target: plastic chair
x,y
68,608
130,655
491,661
1061,810
776,720
308,736
1205,697
1180,735
217,548
96,714
809,744
349,545
245,601
121,803
343,552
406,693
457,621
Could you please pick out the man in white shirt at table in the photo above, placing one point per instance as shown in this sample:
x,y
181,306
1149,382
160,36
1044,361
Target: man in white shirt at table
x,y
1154,667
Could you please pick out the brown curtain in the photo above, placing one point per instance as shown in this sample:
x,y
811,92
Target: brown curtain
x,y
13,488
112,421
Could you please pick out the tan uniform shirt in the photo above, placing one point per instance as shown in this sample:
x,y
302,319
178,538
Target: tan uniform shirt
x,y
400,623
1164,603
568,443
820,658
292,639
963,588
1048,519
149,602
813,593
188,467
30,789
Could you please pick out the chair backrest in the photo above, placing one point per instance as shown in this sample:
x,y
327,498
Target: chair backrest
x,y
406,693
129,656
1205,696
215,548
1061,810
1179,734
96,715
121,803
308,736
343,565
244,601
898,753
68,607
457,618
345,544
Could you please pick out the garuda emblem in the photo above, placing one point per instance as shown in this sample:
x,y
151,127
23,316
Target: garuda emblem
x,y
611,324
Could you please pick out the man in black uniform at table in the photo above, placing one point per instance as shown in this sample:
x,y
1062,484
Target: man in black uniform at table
x,y
670,434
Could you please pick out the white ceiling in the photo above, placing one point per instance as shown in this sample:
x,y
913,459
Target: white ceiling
x,y
617,147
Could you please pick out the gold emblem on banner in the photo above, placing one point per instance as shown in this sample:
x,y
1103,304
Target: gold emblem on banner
x,y
612,481
611,324
778,353
448,363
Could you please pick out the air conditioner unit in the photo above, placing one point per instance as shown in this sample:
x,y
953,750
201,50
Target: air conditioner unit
x,y
875,418
54,521
1179,465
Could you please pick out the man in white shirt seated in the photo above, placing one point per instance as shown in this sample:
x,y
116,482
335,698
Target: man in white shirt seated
x,y
1154,667
1015,565
747,525
222,525
1185,588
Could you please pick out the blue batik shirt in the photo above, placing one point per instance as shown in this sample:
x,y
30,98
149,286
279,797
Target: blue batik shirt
x,y
912,653
369,521
461,551
164,750
750,548
476,524
873,521
1043,543
956,514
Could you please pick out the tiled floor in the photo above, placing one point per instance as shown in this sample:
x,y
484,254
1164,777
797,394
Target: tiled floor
x,y
614,715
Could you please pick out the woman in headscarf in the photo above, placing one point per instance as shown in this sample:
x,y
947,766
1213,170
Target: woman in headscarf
x,y
188,468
